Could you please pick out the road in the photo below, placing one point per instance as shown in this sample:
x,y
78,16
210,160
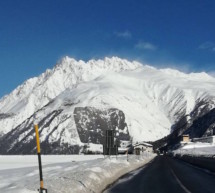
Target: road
x,y
165,175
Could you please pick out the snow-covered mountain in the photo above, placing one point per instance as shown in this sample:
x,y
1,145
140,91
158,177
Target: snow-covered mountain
x,y
78,100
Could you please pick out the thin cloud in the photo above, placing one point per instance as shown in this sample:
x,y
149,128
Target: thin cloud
x,y
207,46
180,66
125,34
212,73
145,46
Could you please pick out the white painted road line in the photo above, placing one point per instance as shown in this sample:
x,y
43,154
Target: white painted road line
x,y
180,183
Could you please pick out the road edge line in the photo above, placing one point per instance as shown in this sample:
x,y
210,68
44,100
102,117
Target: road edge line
x,y
180,183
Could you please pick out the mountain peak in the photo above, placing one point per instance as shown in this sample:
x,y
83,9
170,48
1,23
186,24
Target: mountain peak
x,y
152,99
35,93
114,64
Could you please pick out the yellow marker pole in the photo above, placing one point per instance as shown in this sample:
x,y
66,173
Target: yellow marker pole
x,y
42,189
37,138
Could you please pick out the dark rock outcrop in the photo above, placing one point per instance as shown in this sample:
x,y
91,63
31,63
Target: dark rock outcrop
x,y
92,123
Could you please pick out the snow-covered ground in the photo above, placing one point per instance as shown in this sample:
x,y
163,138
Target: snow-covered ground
x,y
197,149
22,161
65,174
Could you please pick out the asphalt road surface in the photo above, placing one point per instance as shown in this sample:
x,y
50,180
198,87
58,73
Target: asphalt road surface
x,y
165,175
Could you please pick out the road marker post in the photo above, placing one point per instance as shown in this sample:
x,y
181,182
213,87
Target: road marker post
x,y
42,189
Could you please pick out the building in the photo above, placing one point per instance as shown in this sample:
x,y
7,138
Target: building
x,y
143,147
125,147
185,139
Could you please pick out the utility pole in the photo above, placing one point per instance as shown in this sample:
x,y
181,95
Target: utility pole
x,y
42,189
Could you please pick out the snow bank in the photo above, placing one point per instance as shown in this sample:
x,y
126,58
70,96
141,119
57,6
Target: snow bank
x,y
196,149
82,176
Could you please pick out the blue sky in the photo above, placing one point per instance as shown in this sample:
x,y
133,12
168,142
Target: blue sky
x,y
34,34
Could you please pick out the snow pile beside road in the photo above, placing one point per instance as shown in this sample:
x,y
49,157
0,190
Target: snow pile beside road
x,y
196,149
81,176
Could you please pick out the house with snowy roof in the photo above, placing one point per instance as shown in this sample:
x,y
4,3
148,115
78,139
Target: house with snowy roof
x,y
143,147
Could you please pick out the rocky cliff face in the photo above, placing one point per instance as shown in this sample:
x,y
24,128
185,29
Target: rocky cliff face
x,y
92,123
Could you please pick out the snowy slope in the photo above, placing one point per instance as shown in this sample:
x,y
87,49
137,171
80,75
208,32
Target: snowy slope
x,y
37,92
152,100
